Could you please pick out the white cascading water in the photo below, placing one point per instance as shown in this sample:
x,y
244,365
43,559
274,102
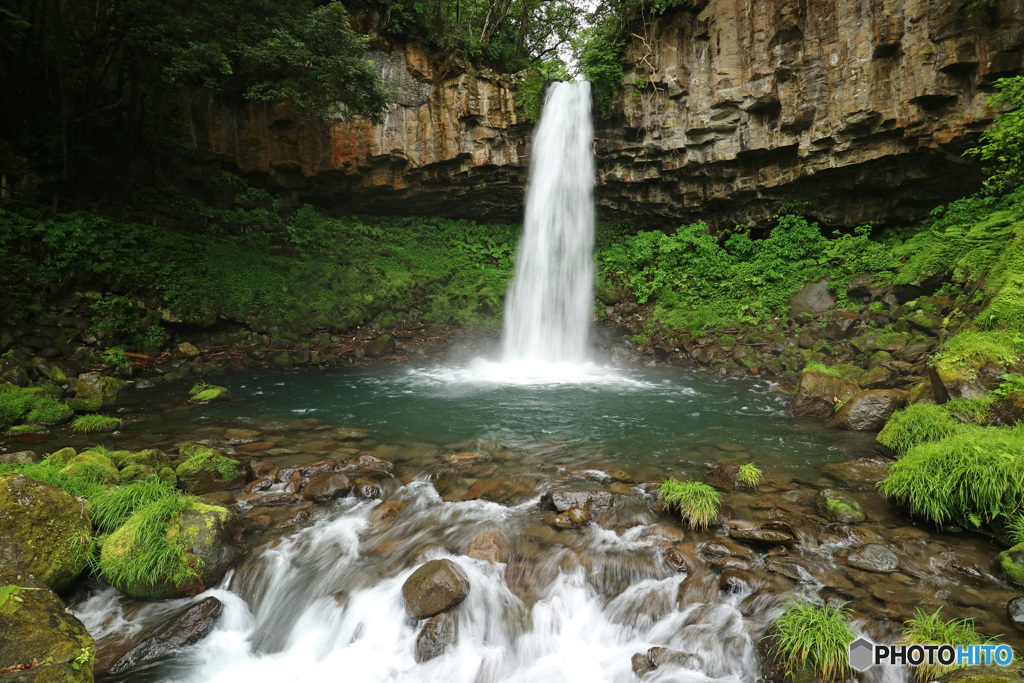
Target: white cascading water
x,y
550,301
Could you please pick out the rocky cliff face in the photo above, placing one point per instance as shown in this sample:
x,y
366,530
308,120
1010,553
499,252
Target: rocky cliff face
x,y
730,108
862,108
451,144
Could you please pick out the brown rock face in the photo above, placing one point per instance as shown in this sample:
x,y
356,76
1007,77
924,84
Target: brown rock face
x,y
868,410
435,587
817,393
860,108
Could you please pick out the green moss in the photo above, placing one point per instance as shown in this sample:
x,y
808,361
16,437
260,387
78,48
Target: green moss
x,y
91,466
34,405
206,392
88,424
846,371
1013,571
26,429
132,472
968,352
168,476
60,458
918,424
46,411
203,459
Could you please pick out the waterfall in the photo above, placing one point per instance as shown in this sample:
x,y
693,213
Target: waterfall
x,y
550,300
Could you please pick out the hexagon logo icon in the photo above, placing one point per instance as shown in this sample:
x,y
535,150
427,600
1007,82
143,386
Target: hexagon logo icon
x,y
861,654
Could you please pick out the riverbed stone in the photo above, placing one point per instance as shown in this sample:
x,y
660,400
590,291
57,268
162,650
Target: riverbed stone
x,y
571,518
677,560
788,567
185,628
838,507
762,536
46,532
491,546
563,500
862,472
307,469
38,627
94,391
206,533
817,394
464,459
323,488
1015,612
868,410
438,635
874,558
435,587
366,489
724,475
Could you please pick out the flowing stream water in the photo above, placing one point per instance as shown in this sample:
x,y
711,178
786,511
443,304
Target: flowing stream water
x,y
318,595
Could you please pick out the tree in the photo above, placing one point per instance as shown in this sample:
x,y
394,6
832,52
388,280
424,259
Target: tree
x,y
1002,145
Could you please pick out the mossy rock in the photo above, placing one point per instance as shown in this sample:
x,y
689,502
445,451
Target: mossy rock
x,y
94,391
47,411
921,393
817,393
62,457
838,507
18,430
37,626
204,393
206,531
93,466
46,531
1012,563
1014,673
136,472
168,476
152,457
205,470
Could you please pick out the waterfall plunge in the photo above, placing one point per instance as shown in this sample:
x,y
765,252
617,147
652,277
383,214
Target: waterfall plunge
x,y
550,301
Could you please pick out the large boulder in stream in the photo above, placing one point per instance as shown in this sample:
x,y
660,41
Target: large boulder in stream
x,y
201,536
868,410
94,391
46,532
817,394
186,627
435,587
204,470
40,639
440,633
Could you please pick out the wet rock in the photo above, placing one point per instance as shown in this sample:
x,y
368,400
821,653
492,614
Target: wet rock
x,y
865,471
676,560
260,468
438,635
560,501
1015,612
762,536
729,562
37,627
385,512
663,536
365,489
204,470
368,462
839,325
1012,563
294,484
663,657
868,410
817,394
267,499
571,518
642,664
865,288
435,587
351,434
308,469
323,488
838,507
791,569
724,475
381,346
735,580
45,530
874,558
186,628
94,391
879,377
491,546
261,484
463,459
1009,410
723,547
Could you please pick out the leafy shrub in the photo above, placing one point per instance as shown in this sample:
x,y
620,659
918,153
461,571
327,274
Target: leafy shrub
x,y
815,637
696,501
930,629
976,475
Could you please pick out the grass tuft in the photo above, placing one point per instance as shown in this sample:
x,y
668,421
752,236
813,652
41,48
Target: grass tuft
x,y
113,507
89,424
696,501
816,637
750,475
930,629
918,424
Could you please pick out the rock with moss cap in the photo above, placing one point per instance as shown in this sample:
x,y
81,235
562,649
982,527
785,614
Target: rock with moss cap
x,y
204,393
206,469
838,507
91,465
37,627
152,457
94,391
201,533
1014,673
1012,563
46,531
818,393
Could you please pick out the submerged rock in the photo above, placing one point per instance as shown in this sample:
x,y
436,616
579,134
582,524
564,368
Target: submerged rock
x,y
186,628
838,507
874,558
435,587
324,488
492,546
46,532
868,410
438,635
865,471
1015,612
561,501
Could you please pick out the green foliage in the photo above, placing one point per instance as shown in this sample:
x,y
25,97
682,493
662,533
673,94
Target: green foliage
x,y
749,475
50,473
814,637
601,64
699,283
89,424
970,350
931,629
157,553
530,93
696,501
843,371
115,356
113,507
34,408
1002,145
1015,528
975,475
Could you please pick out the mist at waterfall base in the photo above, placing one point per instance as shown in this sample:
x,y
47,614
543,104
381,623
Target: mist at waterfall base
x,y
325,603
